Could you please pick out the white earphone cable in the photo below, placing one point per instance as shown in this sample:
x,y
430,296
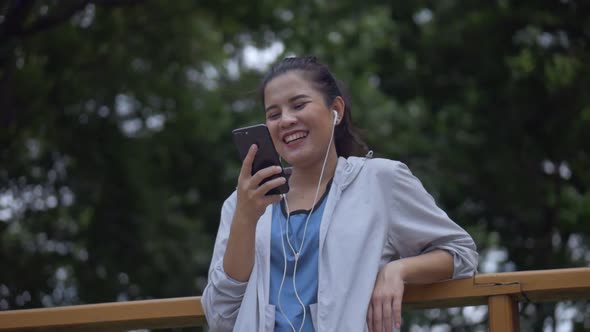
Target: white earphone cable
x,y
296,253
284,270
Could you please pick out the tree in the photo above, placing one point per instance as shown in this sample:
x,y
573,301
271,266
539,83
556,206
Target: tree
x,y
107,121
498,92
116,118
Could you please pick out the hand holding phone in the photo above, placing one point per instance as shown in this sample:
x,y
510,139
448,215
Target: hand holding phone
x,y
266,155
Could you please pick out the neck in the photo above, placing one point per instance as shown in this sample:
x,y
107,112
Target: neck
x,y
306,178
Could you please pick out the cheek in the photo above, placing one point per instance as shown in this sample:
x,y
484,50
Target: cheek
x,y
273,130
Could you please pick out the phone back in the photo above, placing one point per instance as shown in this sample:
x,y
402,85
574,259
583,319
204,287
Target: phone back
x,y
266,155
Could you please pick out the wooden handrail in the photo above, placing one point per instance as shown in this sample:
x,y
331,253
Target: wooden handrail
x,y
525,286
116,316
501,291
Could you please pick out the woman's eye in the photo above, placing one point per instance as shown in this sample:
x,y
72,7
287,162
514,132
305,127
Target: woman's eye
x,y
300,106
272,116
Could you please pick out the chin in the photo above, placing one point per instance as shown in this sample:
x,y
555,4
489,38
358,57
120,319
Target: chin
x,y
294,160
301,161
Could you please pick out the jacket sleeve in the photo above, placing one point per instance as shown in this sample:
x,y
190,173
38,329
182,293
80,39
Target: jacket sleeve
x,y
223,295
421,226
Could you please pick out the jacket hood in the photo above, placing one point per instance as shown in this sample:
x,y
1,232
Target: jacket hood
x,y
347,169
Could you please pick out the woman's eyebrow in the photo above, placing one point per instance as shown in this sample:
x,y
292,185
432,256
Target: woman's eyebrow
x,y
292,99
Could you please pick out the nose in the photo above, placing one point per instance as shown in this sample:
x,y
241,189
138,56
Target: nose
x,y
288,119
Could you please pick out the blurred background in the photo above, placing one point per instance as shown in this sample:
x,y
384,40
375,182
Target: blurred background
x,y
116,115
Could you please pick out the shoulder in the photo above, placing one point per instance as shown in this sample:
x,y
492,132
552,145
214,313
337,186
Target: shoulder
x,y
231,198
385,171
386,167
230,202
374,172
383,163
391,174
370,164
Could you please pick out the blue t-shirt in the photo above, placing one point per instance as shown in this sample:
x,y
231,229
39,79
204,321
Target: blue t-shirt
x,y
307,266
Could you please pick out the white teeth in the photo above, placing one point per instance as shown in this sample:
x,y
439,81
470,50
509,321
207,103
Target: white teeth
x,y
291,138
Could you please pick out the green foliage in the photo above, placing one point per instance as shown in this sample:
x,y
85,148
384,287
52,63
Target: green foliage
x,y
115,118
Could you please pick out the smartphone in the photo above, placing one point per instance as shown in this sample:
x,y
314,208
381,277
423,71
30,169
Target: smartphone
x,y
265,156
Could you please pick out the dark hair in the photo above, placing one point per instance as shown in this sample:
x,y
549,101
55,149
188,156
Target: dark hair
x,y
346,137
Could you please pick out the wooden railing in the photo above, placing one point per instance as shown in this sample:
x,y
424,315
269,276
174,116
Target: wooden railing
x,y
500,291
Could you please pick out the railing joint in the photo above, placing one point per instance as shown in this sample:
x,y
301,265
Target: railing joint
x,y
491,284
525,297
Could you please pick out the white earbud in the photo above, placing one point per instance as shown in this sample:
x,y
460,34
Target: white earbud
x,y
335,117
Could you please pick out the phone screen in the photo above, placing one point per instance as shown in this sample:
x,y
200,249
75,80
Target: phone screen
x,y
266,155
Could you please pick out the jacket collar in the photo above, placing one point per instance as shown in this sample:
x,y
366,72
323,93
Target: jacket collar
x,y
347,169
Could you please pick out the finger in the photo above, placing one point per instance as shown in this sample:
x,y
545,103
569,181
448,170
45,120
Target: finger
x,y
370,318
377,318
266,173
397,311
267,186
246,170
270,199
387,315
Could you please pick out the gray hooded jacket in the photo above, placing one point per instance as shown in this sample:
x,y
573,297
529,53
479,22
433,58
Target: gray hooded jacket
x,y
376,212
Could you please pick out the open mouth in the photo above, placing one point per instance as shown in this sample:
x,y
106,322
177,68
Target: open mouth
x,y
294,137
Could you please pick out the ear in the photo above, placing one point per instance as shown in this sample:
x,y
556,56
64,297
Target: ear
x,y
338,105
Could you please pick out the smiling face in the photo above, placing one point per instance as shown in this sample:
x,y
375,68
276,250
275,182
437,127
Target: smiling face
x,y
299,121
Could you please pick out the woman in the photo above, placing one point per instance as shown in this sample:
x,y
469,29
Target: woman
x,y
334,253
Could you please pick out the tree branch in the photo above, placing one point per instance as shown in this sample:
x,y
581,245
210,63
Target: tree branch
x,y
18,12
47,22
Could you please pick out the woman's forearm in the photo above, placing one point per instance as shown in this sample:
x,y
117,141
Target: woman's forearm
x,y
238,259
427,268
